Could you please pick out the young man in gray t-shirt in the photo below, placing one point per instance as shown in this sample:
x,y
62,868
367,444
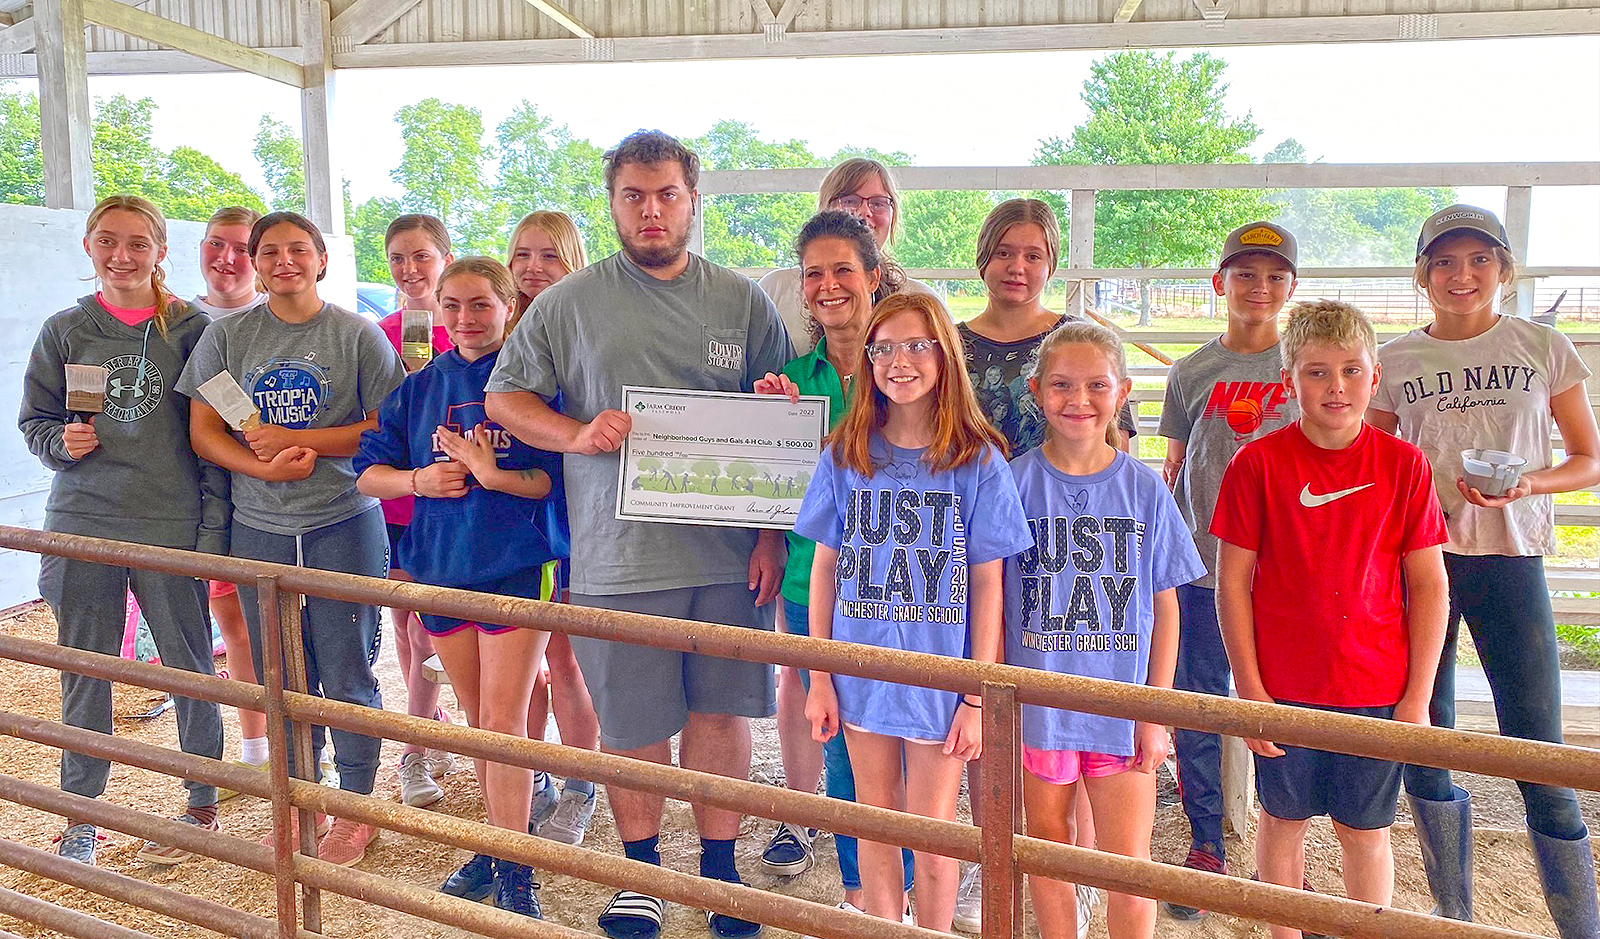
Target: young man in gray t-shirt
x,y
653,314
1219,397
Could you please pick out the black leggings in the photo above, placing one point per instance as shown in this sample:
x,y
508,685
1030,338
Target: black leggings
x,y
1506,604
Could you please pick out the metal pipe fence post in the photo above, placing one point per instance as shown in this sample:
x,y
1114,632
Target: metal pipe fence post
x,y
1000,814
268,600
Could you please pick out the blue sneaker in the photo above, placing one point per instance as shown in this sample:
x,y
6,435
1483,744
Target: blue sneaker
x,y
474,881
545,799
515,889
77,843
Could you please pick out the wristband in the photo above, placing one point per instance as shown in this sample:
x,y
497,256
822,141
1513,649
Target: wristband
x,y
414,491
975,707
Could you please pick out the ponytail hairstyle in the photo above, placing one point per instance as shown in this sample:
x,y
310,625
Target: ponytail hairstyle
x,y
158,233
416,221
563,234
491,270
1089,334
960,431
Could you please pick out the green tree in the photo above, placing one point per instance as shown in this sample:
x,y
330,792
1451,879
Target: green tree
x,y
751,230
940,228
542,166
126,159
198,185
282,159
444,170
366,224
1146,107
21,160
1340,227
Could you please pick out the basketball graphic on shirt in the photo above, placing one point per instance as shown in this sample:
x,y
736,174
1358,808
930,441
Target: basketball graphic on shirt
x,y
1244,415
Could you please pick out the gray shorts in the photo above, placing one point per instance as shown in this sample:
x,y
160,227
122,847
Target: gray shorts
x,y
643,695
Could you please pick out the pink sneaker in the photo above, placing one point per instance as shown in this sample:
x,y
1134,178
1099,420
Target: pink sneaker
x,y
346,842
271,838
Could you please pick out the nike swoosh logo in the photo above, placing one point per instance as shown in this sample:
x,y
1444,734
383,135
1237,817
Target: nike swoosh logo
x,y
1311,501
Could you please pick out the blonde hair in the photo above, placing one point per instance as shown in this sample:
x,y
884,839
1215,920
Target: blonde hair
x,y
848,176
960,431
1019,212
233,215
1089,334
563,234
158,233
491,270
1328,322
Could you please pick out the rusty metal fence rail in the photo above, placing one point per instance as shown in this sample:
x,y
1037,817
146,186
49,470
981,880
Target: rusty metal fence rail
x,y
995,842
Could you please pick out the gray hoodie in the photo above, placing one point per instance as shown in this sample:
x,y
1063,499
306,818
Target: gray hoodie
x,y
143,483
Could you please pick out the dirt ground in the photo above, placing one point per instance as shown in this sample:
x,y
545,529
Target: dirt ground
x,y
1507,891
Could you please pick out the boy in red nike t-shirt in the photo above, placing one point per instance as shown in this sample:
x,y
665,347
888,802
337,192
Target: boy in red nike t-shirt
x,y
1331,593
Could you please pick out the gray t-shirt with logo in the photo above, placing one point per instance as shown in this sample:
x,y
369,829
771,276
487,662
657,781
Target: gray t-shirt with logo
x,y
326,372
611,324
1217,401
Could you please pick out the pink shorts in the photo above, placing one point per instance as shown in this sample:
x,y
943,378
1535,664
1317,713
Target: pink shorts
x,y
1065,767
221,588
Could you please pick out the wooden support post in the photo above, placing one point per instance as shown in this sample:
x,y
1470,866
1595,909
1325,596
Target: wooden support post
x,y
1519,218
1080,247
64,118
1238,784
697,226
999,811
324,198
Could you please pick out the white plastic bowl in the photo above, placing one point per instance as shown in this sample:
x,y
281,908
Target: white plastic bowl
x,y
1491,472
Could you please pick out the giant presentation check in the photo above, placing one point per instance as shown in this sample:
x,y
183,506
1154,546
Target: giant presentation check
x,y
714,458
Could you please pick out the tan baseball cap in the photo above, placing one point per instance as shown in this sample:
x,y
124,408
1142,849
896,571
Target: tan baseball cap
x,y
1458,218
1260,236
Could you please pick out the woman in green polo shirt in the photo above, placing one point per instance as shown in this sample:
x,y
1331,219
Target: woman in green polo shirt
x,y
840,271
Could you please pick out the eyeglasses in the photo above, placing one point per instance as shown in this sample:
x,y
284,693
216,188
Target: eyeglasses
x,y
917,350
878,205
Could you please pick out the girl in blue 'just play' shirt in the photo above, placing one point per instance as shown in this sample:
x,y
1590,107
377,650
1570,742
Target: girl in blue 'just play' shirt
x,y
1093,595
474,527
913,512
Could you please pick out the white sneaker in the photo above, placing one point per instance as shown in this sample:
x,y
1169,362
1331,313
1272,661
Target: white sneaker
x,y
440,763
1085,911
417,788
570,820
907,918
969,900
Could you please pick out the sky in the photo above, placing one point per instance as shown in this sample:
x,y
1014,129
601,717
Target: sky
x,y
1517,100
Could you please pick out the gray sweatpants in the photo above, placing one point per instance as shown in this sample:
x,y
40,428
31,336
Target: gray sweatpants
x,y
340,638
89,602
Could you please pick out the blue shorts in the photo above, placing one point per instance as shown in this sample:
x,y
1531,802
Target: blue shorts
x,y
535,583
1358,792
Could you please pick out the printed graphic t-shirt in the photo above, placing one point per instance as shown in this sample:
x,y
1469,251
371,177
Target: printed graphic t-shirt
x,y
326,372
1492,392
1330,529
612,324
1216,402
906,537
1081,599
999,372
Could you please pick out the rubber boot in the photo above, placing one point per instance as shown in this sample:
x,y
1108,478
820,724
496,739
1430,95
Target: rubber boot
x,y
1444,830
1566,870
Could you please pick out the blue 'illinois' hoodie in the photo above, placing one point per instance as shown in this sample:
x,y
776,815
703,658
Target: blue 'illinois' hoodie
x,y
484,535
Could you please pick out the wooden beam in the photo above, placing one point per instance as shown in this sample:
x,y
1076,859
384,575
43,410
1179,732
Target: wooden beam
x,y
563,17
137,62
364,19
17,38
135,22
1235,31
1179,176
789,10
64,117
324,201
763,12
1126,11
7,19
